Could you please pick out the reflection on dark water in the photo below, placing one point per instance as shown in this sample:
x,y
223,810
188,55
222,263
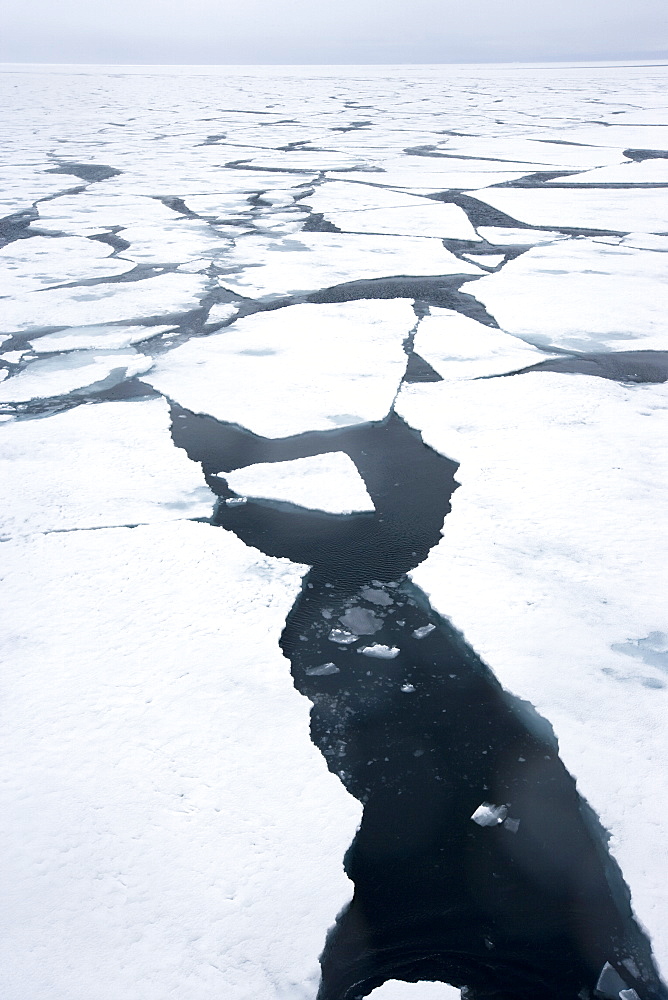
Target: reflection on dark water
x,y
523,902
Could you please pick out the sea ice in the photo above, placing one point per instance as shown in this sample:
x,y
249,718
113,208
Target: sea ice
x,y
327,482
41,261
221,312
646,172
169,827
342,636
307,262
164,295
424,630
326,670
591,208
582,295
305,367
507,236
380,652
488,814
361,621
109,337
92,466
393,989
458,347
66,373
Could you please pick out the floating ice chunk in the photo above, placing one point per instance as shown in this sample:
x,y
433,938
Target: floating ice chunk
x,y
420,633
12,356
222,312
486,260
342,636
172,242
41,261
236,501
109,337
458,347
326,670
310,261
591,208
610,983
107,303
653,171
376,596
361,621
394,989
328,482
66,373
409,689
99,208
92,466
310,367
628,995
512,825
380,652
488,814
589,296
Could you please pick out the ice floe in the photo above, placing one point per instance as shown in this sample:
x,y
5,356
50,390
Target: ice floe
x,y
94,466
458,347
327,482
393,989
583,295
169,828
163,295
110,337
305,367
551,556
67,373
41,261
591,208
307,262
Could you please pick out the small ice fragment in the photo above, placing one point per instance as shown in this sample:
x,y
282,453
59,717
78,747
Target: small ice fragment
x,y
361,621
326,614
380,652
236,501
342,636
488,814
374,596
420,633
628,995
512,824
632,967
408,689
323,671
610,983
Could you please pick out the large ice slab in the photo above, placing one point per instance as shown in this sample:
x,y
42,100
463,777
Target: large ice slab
x,y
305,367
41,261
364,208
94,466
169,828
459,347
328,482
581,294
612,208
108,336
310,261
654,171
106,303
552,556
65,373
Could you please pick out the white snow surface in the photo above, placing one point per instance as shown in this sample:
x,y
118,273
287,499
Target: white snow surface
x,y
581,294
554,553
60,375
393,989
169,828
123,469
328,482
305,367
458,347
309,261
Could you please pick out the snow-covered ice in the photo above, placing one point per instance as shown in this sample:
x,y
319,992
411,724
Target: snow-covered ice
x,y
327,482
380,651
582,295
60,375
124,469
393,989
169,828
311,367
40,262
488,814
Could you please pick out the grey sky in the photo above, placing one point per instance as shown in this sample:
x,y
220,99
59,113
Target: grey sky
x,y
345,31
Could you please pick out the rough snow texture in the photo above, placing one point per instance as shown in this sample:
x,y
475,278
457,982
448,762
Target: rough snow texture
x,y
168,826
97,466
328,482
395,990
553,564
307,367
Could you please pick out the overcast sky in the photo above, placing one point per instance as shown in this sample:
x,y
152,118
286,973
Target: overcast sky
x,y
343,31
